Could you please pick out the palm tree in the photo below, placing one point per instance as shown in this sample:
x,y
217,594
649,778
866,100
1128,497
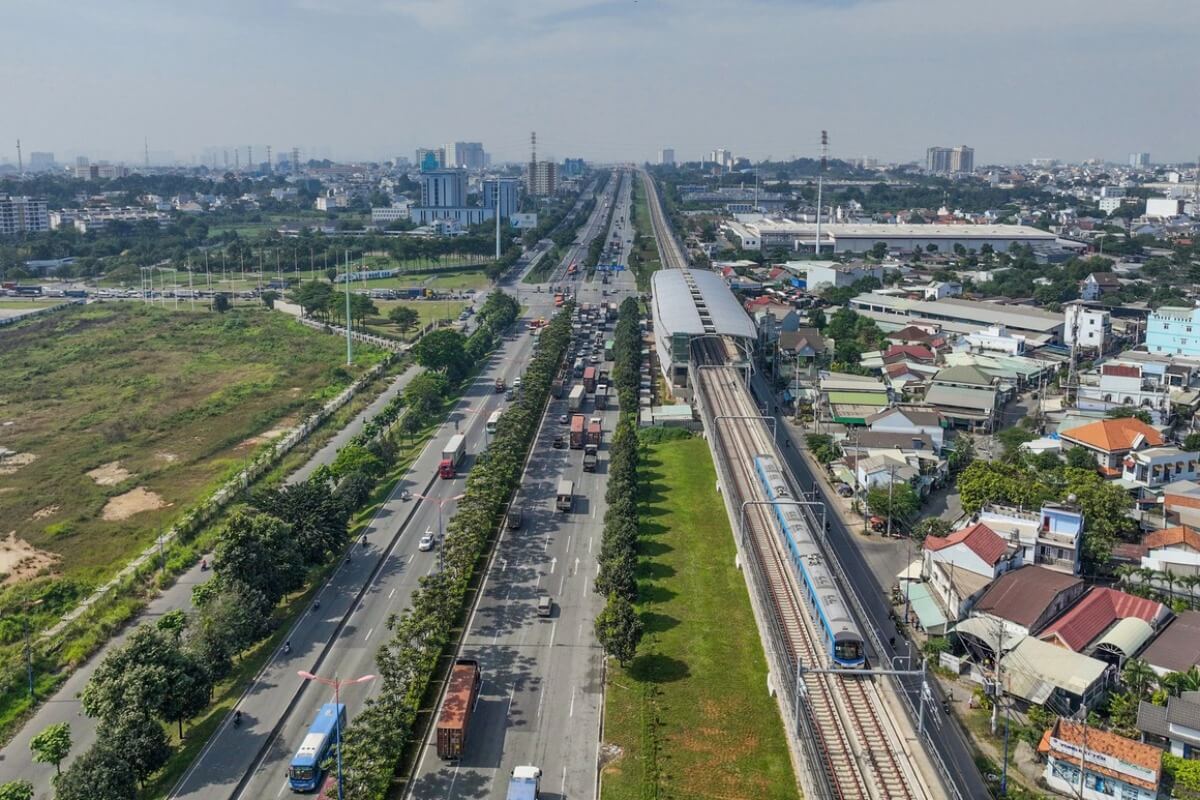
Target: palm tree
x,y
1171,578
1125,574
1190,582
1138,677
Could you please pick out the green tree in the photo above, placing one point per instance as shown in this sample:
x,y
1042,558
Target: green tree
x,y
619,629
901,503
1012,439
331,274
404,318
269,297
318,519
1130,411
816,318
314,297
1138,677
16,790
101,773
258,551
961,454
52,745
1191,442
425,392
443,350
823,448
140,738
931,526
220,302
357,458
1081,458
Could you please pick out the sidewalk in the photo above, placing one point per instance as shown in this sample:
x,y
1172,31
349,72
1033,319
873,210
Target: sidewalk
x,y
15,759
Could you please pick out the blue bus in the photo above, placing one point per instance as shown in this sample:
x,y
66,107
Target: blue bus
x,y
304,775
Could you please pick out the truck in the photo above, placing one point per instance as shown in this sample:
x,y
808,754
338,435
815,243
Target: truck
x,y
525,783
608,349
589,379
577,432
462,692
601,396
558,388
452,455
575,399
500,387
565,496
591,457
595,432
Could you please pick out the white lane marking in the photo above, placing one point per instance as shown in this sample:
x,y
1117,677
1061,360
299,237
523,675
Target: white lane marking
x,y
368,636
568,543
392,593
594,507
590,544
571,712
553,563
576,572
562,790
281,788
562,581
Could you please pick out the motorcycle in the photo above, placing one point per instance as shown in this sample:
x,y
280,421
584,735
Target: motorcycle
x,y
287,648
405,495
237,719
204,565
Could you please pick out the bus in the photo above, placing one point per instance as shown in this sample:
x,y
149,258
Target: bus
x,y
305,773
493,421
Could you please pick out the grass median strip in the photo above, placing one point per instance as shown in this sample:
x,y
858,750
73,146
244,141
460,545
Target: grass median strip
x,y
690,714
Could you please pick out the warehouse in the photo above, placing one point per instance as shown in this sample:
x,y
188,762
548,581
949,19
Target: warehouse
x,y
688,304
1037,326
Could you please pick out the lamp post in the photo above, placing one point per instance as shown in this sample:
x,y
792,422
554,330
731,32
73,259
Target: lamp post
x,y
441,503
337,702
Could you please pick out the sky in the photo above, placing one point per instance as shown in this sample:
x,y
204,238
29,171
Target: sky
x,y
604,80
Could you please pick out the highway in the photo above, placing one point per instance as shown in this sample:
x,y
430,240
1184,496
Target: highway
x,y
543,682
579,246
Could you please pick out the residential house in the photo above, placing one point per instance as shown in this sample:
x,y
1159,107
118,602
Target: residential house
x,y
1089,328
996,338
1111,440
1098,284
1122,383
1107,624
1155,467
1175,727
802,346
1172,550
899,353
771,318
1177,647
881,471
959,567
965,396
1051,537
1028,598
936,290
1110,766
1181,499
911,421
853,398
911,334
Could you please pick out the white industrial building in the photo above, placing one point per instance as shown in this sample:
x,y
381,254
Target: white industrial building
x,y
819,274
688,304
855,238
1037,326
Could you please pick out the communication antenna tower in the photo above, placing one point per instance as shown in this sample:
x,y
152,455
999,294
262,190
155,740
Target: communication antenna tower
x,y
249,156
295,160
20,161
820,186
268,159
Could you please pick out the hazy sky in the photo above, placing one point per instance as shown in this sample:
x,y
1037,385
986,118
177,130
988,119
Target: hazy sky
x,y
1016,79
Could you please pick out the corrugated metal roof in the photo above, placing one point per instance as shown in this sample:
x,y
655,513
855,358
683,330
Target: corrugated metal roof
x,y
959,397
1127,636
858,399
696,302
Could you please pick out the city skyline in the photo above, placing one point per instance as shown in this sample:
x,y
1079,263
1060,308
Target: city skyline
x,y
611,81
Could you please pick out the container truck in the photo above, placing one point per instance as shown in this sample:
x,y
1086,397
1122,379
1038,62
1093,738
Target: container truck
x,y
575,400
589,379
558,388
591,457
577,432
565,496
595,432
525,783
462,692
452,455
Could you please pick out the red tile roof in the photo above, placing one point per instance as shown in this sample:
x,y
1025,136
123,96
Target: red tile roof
x,y
910,333
1121,370
898,369
1095,613
1113,435
1168,537
979,539
910,350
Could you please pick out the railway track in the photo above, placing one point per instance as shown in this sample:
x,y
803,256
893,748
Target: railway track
x,y
669,251
845,713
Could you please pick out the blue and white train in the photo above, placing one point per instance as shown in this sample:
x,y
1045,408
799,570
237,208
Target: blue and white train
x,y
841,638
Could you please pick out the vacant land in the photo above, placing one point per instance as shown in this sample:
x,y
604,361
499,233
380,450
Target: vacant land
x,y
644,256
115,418
690,713
427,311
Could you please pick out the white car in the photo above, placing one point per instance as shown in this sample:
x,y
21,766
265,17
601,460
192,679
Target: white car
x,y
426,543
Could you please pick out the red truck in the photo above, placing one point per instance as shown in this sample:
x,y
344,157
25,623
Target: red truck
x,y
589,379
595,432
577,432
462,691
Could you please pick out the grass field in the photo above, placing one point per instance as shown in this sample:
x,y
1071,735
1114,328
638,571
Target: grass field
x,y
644,256
21,303
427,311
691,712
160,405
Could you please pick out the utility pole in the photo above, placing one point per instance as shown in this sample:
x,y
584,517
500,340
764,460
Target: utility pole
x,y
497,218
349,347
820,182
20,161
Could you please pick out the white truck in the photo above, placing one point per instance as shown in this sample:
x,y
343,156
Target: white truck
x,y
575,399
452,455
525,783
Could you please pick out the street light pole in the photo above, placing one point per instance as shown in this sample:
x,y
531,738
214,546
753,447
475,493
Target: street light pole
x,y
337,703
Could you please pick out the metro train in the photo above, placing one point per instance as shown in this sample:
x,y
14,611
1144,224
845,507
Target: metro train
x,y
841,639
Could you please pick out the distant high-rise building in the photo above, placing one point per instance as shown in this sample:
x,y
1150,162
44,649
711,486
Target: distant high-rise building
x,y
443,188
667,156
721,157
962,159
509,188
41,162
572,167
468,155
542,179
1139,160
431,157
23,215
950,159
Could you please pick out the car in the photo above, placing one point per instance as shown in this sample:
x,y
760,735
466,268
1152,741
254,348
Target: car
x,y
563,419
559,442
596,358
515,517
426,542
844,490
545,606
510,394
